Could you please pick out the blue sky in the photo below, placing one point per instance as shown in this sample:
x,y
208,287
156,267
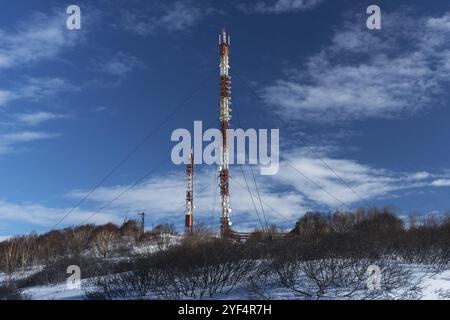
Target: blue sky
x,y
371,104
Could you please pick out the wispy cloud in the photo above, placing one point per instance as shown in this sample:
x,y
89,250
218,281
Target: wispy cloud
x,y
368,183
36,89
5,97
440,23
35,118
279,6
364,74
100,109
178,16
119,64
285,196
441,183
9,142
41,37
43,216
162,197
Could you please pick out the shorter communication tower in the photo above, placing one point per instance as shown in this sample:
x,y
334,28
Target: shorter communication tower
x,y
142,215
189,218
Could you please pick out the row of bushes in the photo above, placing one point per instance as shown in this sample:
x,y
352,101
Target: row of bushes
x,y
375,232
215,267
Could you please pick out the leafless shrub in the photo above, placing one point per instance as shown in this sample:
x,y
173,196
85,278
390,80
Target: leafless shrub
x,y
322,278
334,278
141,282
263,280
207,269
9,291
110,287
397,282
185,271
55,272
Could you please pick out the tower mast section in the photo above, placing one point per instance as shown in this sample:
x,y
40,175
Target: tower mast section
x,y
189,214
224,117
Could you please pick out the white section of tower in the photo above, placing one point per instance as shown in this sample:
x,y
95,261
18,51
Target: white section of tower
x,y
189,214
225,117
190,189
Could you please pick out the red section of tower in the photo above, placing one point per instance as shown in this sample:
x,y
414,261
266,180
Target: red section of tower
x,y
225,117
189,218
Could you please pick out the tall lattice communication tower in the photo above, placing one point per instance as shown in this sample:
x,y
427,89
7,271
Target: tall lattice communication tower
x,y
225,117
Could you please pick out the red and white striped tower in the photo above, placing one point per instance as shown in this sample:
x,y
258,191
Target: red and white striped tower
x,y
225,117
189,218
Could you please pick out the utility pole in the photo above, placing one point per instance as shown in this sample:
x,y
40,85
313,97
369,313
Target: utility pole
x,y
224,117
142,215
189,214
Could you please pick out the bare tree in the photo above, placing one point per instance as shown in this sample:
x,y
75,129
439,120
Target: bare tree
x,y
103,240
78,240
10,251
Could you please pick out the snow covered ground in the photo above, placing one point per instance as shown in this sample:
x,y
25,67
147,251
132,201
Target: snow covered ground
x,y
18,275
54,292
434,285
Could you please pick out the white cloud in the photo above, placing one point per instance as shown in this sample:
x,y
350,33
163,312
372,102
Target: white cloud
x,y
25,136
41,37
42,216
281,6
36,89
100,109
119,64
5,97
162,197
39,88
440,23
9,142
367,182
285,196
441,183
367,75
36,118
179,16
421,175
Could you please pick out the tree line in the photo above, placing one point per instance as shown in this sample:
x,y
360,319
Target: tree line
x,y
24,252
